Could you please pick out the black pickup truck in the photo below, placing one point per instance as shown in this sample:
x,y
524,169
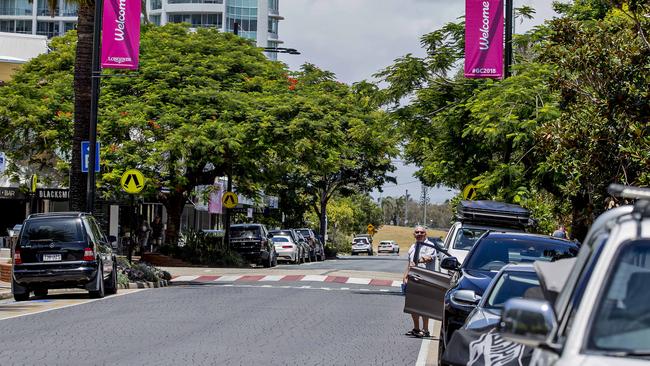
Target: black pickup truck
x,y
252,242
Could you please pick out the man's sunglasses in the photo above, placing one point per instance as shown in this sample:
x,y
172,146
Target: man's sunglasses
x,y
420,232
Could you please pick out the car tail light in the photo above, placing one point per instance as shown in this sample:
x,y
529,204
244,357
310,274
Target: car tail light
x,y
89,254
17,259
287,246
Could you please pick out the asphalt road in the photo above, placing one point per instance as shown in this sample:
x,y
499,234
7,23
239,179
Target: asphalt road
x,y
390,263
227,324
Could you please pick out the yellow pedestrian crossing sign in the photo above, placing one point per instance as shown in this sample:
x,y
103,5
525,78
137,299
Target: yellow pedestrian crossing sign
x,y
132,181
230,199
469,193
371,229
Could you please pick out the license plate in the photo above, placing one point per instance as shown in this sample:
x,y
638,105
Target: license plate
x,y
51,257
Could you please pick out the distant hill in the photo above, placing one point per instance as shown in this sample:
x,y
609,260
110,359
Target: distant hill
x,y
403,235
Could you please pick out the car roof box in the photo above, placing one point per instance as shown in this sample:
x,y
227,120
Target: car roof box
x,y
493,213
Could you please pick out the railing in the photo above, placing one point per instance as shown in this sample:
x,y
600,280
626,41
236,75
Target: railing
x,y
15,11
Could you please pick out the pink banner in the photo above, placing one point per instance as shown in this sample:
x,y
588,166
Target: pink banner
x,y
121,34
214,204
484,39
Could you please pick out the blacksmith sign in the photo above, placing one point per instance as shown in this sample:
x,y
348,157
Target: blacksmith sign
x,y
53,194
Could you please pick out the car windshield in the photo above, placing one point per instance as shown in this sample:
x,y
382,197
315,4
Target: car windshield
x,y
385,244
493,253
514,284
244,231
360,241
63,230
467,237
622,321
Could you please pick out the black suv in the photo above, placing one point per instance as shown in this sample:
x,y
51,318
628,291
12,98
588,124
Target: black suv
x,y
62,250
252,242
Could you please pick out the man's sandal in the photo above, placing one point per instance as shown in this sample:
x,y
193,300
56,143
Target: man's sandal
x,y
413,332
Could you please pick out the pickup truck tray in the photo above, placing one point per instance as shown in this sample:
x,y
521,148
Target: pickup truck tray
x,y
493,213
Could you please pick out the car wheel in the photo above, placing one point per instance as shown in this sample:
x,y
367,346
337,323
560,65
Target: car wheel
x,y
41,292
21,297
112,282
353,253
99,279
274,261
441,348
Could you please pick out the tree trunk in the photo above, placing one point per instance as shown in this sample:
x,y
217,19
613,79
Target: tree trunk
x,y
582,216
82,91
174,205
323,214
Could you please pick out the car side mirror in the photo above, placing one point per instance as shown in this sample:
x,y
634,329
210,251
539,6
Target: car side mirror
x,y
450,263
466,296
526,321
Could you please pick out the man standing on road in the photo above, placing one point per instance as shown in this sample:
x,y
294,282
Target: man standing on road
x,y
421,254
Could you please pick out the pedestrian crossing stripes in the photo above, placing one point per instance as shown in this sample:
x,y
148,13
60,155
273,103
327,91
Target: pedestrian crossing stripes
x,y
288,278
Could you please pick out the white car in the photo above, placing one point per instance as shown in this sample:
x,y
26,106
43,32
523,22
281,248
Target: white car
x,y
286,248
600,311
361,245
388,246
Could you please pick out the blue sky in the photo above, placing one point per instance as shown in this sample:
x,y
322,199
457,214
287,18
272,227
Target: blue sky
x,y
356,38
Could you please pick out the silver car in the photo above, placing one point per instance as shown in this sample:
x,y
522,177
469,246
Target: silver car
x,y
388,246
361,245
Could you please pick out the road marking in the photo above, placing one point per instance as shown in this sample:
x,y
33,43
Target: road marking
x,y
314,278
308,288
227,279
184,278
358,281
424,348
54,302
397,284
272,278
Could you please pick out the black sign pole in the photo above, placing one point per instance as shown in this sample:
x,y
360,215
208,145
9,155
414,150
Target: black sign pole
x,y
508,50
226,224
94,106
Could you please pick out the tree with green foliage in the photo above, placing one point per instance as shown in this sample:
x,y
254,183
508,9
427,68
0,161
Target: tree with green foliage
x,y
336,139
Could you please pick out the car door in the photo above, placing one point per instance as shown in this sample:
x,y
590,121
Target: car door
x,y
425,292
103,247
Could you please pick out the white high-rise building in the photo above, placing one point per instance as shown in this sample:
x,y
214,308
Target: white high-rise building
x,y
257,19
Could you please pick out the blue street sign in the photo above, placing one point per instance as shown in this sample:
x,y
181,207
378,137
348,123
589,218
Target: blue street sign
x,y
85,153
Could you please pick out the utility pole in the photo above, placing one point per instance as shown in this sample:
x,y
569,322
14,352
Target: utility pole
x,y
406,209
425,202
508,46
94,106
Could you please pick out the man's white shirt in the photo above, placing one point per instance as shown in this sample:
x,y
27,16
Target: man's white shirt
x,y
425,250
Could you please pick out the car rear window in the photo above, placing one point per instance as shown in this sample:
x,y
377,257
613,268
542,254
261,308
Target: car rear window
x,y
280,239
466,238
244,231
58,230
494,253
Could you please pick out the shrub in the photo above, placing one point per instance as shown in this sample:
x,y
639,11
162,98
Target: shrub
x,y
199,248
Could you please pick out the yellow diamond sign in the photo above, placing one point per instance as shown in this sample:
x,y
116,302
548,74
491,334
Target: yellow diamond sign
x,y
132,181
230,200
469,193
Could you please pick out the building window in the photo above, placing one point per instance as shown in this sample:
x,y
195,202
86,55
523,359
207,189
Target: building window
x,y
155,19
68,26
157,4
44,9
244,13
273,26
24,26
198,20
15,7
274,6
16,26
69,9
49,29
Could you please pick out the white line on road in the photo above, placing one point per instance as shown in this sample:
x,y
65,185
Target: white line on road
x,y
70,305
424,348
184,278
272,278
358,281
227,279
314,278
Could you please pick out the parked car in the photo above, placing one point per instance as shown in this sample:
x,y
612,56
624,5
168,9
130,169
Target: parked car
x,y
361,245
601,314
318,250
298,239
512,281
441,297
252,242
63,250
475,218
388,246
286,248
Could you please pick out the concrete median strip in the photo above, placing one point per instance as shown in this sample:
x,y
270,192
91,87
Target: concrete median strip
x,y
287,278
